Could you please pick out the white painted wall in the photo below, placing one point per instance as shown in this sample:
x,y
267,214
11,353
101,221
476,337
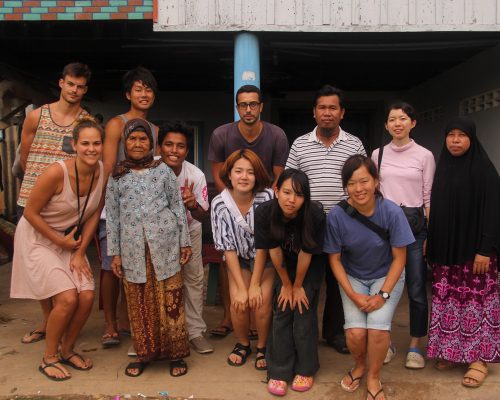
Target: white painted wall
x,y
327,15
477,75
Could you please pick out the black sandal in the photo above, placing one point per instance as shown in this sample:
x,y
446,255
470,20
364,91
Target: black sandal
x,y
374,396
138,365
261,350
179,364
53,365
238,350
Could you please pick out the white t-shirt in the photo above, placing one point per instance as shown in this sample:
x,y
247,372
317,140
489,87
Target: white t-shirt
x,y
196,175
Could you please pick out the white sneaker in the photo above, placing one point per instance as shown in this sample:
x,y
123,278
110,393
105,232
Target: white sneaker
x,y
131,351
391,353
414,360
201,345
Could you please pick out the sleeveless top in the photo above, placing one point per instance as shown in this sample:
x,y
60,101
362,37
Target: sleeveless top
x,y
61,211
52,143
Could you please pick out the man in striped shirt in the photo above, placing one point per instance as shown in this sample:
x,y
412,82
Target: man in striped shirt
x,y
321,154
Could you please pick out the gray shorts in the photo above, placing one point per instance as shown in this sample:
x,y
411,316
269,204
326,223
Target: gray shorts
x,y
103,244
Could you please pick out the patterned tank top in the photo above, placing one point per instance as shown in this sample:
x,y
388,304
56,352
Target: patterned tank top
x,y
52,143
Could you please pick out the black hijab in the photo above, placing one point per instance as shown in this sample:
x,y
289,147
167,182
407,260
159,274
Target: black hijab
x,y
148,161
465,202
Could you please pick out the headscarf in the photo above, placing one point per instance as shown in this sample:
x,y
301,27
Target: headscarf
x,y
124,167
465,202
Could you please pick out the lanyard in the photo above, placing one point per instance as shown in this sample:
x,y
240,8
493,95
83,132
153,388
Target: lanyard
x,y
78,194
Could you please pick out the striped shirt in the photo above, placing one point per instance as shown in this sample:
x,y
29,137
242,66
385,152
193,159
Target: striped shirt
x,y
228,234
323,166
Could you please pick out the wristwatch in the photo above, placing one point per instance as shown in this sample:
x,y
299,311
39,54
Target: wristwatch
x,y
384,295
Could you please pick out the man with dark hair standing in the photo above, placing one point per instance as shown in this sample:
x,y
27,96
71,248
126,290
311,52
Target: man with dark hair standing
x,y
140,89
173,142
46,137
266,140
321,154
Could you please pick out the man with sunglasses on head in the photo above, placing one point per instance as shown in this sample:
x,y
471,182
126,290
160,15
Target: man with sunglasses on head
x,y
266,140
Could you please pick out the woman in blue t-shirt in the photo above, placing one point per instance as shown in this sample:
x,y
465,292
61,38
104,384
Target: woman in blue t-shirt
x,y
368,263
292,228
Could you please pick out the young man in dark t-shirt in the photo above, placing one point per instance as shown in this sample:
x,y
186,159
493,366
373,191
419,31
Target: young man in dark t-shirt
x,y
266,140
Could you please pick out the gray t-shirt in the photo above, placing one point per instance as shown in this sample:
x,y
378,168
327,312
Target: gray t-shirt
x,y
271,145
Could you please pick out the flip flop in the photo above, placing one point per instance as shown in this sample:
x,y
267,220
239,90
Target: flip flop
x,y
348,388
380,392
125,332
53,365
36,334
67,361
445,365
110,339
221,330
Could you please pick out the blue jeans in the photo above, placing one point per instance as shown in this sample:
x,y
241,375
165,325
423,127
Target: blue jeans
x,y
416,277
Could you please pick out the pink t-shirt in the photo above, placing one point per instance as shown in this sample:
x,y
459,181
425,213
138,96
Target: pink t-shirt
x,y
406,174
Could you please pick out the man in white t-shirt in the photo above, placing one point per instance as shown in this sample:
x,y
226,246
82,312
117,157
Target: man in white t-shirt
x,y
174,146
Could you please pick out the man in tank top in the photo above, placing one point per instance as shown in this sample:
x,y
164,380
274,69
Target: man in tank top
x,y
46,137
140,89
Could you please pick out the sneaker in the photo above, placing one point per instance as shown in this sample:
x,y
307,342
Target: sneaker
x,y
414,360
391,353
201,345
276,387
131,351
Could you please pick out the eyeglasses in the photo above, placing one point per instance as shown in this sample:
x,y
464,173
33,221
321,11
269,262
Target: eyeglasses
x,y
253,105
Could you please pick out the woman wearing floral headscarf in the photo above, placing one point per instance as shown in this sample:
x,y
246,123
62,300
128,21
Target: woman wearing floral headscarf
x,y
149,241
462,249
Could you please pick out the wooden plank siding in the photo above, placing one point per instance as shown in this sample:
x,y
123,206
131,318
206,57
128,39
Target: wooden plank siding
x,y
327,15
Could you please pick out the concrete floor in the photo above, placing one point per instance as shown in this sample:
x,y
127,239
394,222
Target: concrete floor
x,y
209,377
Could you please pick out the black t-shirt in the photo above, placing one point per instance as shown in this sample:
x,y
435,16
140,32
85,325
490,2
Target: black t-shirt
x,y
291,246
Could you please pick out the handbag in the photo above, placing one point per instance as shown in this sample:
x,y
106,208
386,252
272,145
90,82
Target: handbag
x,y
79,225
414,215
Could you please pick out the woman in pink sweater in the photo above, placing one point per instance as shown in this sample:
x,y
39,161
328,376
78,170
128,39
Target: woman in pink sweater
x,y
406,175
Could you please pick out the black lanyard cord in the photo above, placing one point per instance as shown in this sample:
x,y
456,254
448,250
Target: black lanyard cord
x,y
78,194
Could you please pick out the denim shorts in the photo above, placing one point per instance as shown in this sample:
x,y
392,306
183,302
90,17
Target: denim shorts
x,y
103,244
249,264
380,319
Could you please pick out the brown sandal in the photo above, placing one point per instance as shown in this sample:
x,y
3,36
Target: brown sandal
x,y
477,372
445,365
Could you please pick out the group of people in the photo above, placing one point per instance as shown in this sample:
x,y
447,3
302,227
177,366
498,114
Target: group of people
x,y
282,218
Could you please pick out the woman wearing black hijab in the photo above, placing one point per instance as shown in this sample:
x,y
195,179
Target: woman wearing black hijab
x,y
463,243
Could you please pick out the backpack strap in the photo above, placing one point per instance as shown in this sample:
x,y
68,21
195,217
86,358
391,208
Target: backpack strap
x,y
353,213
379,161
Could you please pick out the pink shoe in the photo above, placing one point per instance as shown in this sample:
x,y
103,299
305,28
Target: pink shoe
x,y
302,383
278,388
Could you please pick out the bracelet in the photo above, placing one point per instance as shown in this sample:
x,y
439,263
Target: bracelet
x,y
196,205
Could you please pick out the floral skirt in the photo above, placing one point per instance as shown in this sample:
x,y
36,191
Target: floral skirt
x,y
157,319
465,314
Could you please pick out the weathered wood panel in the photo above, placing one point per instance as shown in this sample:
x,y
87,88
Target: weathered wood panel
x,y
327,15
